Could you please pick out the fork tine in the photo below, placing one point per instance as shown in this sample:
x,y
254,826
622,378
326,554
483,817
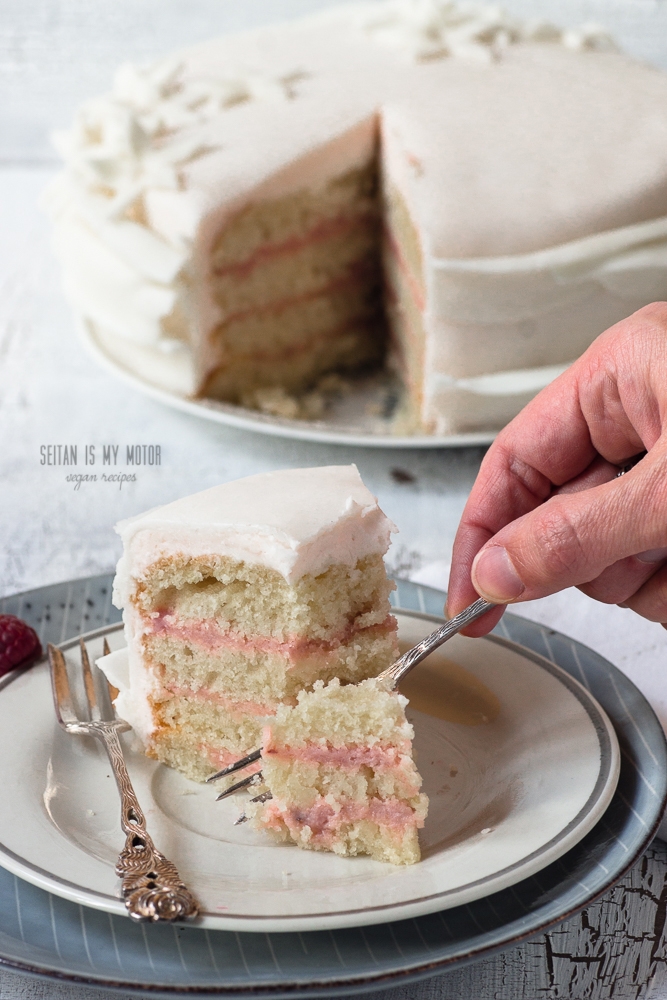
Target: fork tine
x,y
262,797
89,684
62,698
237,765
254,779
108,692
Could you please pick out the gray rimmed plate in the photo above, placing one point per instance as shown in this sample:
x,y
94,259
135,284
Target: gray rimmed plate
x,y
49,935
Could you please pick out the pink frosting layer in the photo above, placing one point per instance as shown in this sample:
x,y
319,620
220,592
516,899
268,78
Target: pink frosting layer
x,y
220,757
231,704
208,634
324,821
355,274
380,757
325,230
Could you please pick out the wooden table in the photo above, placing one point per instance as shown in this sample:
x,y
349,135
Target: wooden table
x,y
56,53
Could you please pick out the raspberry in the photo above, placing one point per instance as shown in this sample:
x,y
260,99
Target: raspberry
x,y
19,645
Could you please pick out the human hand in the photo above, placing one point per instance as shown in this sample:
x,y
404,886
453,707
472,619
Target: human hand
x,y
547,510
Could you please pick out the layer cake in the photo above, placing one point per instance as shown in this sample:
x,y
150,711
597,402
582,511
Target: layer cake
x,y
479,197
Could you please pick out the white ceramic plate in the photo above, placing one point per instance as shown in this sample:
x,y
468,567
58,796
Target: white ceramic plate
x,y
348,422
509,795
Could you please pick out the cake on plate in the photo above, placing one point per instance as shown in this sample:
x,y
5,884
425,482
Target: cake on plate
x,y
340,771
475,197
237,598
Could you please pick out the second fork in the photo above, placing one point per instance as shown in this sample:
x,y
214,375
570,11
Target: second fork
x,y
151,886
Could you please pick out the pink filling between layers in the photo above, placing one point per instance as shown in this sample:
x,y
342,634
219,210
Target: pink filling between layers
x,y
232,705
324,821
322,231
219,758
381,757
209,635
356,274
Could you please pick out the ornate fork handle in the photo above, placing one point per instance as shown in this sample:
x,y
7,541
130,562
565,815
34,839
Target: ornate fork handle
x,y
397,671
151,885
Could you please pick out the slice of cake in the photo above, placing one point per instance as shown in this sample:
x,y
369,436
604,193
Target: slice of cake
x,y
340,769
237,598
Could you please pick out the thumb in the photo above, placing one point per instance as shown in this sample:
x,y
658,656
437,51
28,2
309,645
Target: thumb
x,y
572,538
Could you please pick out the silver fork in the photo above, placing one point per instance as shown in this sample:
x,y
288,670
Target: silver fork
x,y
395,673
151,886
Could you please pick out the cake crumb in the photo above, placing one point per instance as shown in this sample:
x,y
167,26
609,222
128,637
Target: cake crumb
x,y
273,400
277,402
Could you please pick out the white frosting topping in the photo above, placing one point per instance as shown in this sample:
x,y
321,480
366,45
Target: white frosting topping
x,y
131,140
433,29
123,147
132,702
296,521
125,669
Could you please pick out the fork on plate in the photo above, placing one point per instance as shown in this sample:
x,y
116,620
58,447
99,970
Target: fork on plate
x,y
151,886
394,673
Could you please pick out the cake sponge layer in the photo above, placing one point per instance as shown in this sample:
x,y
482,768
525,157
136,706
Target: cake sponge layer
x,y
276,222
369,714
199,737
328,253
252,600
357,344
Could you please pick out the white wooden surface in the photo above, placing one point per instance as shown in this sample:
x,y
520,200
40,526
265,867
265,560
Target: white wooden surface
x,y
55,53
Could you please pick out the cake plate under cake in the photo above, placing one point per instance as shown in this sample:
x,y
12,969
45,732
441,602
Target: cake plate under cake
x,y
52,936
356,419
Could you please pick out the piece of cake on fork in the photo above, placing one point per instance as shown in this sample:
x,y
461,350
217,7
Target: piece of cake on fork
x,y
340,771
237,598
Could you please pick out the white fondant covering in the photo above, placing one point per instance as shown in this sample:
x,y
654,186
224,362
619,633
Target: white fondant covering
x,y
508,142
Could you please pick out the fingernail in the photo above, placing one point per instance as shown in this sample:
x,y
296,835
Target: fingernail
x,y
494,576
652,555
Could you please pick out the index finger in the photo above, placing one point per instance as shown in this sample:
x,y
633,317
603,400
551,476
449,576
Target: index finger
x,y
547,445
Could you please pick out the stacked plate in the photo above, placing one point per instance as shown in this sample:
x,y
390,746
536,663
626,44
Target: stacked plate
x,y
546,771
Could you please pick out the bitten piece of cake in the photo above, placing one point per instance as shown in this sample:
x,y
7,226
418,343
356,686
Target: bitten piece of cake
x,y
340,769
